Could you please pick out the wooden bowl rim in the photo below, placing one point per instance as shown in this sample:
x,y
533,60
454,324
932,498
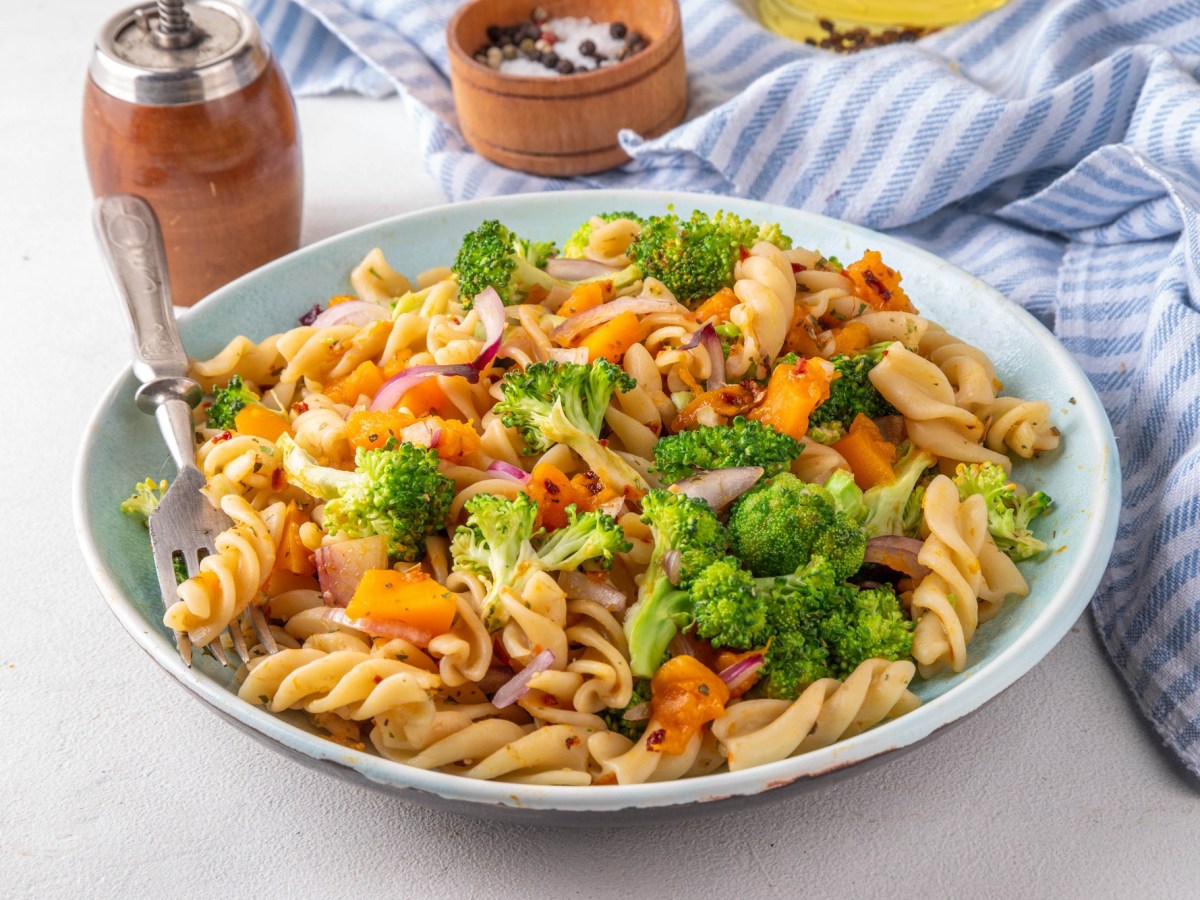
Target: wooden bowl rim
x,y
657,54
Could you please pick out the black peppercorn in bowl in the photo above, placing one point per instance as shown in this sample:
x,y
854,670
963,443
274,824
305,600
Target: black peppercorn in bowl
x,y
546,103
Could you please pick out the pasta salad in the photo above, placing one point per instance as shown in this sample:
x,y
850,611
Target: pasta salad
x,y
673,497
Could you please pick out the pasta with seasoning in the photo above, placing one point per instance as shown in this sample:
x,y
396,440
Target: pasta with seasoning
x,y
682,498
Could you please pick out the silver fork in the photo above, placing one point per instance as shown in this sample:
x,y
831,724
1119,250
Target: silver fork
x,y
185,525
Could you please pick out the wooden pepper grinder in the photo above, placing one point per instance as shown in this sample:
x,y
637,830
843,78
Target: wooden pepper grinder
x,y
185,106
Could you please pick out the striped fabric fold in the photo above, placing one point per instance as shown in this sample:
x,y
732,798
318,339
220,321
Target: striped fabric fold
x,y
1052,148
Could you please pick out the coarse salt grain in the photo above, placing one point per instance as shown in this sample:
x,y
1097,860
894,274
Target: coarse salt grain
x,y
571,31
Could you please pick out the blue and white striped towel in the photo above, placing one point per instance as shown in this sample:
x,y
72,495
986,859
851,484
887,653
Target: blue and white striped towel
x,y
1061,133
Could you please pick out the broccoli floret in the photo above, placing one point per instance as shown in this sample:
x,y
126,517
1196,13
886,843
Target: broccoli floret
x,y
820,627
228,401
773,234
725,607
688,529
740,443
144,500
395,491
492,255
846,495
179,567
894,507
564,403
1011,510
779,524
852,392
578,241
695,257
615,718
500,544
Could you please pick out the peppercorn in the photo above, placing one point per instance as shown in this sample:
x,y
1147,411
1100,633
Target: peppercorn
x,y
565,67
550,60
617,30
587,48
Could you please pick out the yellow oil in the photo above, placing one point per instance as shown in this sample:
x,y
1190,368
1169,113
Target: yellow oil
x,y
799,18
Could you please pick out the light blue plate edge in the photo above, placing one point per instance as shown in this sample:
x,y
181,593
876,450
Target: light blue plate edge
x,y
1089,550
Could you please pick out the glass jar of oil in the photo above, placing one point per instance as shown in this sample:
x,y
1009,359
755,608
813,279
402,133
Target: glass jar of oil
x,y
829,21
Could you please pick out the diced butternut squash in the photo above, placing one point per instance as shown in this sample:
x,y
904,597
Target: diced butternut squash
x,y
291,555
792,394
365,381
458,439
717,307
590,492
428,397
255,419
613,338
800,337
870,455
685,694
553,492
372,430
878,284
585,296
852,337
411,598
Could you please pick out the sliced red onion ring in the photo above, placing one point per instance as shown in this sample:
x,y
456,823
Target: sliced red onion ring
x,y
422,433
719,487
897,552
388,628
340,566
670,564
518,685
740,672
508,470
638,713
577,584
566,332
395,388
566,269
352,312
494,678
491,314
569,354
711,341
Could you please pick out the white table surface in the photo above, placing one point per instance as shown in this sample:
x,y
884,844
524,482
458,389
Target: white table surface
x,y
116,782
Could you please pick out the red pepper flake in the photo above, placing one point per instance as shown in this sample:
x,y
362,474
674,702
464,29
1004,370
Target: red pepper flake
x,y
876,285
550,700
378,678
799,267
801,366
300,407
551,487
654,738
571,741
223,436
278,480
743,253
603,442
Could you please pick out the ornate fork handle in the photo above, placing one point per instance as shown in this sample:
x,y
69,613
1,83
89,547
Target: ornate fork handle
x,y
131,240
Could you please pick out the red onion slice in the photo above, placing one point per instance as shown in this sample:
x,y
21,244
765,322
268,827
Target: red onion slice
x,y
395,388
711,341
639,712
508,470
740,672
518,686
569,354
577,584
340,566
566,269
566,332
897,552
719,487
352,312
388,628
670,564
491,314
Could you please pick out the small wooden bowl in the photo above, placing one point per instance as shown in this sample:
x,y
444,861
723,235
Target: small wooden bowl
x,y
567,124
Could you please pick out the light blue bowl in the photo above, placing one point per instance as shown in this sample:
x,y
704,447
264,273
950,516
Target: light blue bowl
x,y
122,446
